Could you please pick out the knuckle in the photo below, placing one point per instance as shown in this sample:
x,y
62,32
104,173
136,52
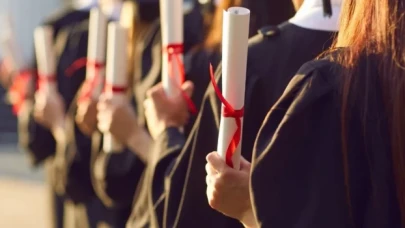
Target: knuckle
x,y
213,202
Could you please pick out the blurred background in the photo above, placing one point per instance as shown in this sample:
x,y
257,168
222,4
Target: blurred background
x,y
23,195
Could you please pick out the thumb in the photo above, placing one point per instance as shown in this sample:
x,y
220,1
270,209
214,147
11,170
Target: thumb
x,y
244,164
216,161
188,87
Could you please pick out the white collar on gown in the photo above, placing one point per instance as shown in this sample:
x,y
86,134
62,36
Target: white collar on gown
x,y
311,16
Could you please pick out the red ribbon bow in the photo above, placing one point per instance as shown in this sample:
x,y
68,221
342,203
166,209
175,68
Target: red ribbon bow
x,y
229,111
18,90
174,50
89,85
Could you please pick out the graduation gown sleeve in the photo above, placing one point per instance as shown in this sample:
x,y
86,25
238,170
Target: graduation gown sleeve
x,y
116,176
36,140
301,164
298,177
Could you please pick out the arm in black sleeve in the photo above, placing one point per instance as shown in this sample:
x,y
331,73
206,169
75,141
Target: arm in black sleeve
x,y
116,177
36,140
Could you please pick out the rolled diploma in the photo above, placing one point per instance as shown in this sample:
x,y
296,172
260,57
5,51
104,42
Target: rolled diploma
x,y
96,47
45,53
116,74
171,18
234,58
10,48
127,14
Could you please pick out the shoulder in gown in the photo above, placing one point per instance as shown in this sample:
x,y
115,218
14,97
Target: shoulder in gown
x,y
298,177
274,56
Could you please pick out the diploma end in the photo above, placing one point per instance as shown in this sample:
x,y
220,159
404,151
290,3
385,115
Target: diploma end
x,y
240,11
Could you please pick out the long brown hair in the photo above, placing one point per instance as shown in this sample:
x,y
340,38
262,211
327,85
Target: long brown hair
x,y
136,21
214,37
376,28
263,12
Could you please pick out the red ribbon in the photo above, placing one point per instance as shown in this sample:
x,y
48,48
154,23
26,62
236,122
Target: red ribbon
x,y
114,88
18,89
45,79
229,111
89,85
173,51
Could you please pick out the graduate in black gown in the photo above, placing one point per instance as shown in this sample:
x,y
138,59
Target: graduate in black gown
x,y
117,174
330,152
68,168
276,50
35,138
72,168
148,209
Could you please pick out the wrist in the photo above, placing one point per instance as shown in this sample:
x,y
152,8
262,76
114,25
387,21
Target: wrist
x,y
139,142
172,124
58,132
248,219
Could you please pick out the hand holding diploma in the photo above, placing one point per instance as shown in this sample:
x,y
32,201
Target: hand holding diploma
x,y
46,58
117,117
162,112
49,107
228,189
234,61
173,75
86,116
115,88
171,20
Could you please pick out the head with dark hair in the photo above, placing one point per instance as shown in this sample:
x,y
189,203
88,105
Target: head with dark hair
x,y
268,12
375,29
147,10
214,37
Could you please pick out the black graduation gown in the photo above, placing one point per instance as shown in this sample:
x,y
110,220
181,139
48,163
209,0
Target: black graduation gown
x,y
148,209
35,139
298,175
277,51
116,175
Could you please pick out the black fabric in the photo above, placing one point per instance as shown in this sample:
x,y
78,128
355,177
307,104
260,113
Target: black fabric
x,y
267,12
298,170
272,62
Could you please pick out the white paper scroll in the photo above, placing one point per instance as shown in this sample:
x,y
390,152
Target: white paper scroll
x,y
46,58
171,20
96,49
127,14
9,46
11,52
234,58
116,74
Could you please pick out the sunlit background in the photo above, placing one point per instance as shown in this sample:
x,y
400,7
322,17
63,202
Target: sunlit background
x,y
23,198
